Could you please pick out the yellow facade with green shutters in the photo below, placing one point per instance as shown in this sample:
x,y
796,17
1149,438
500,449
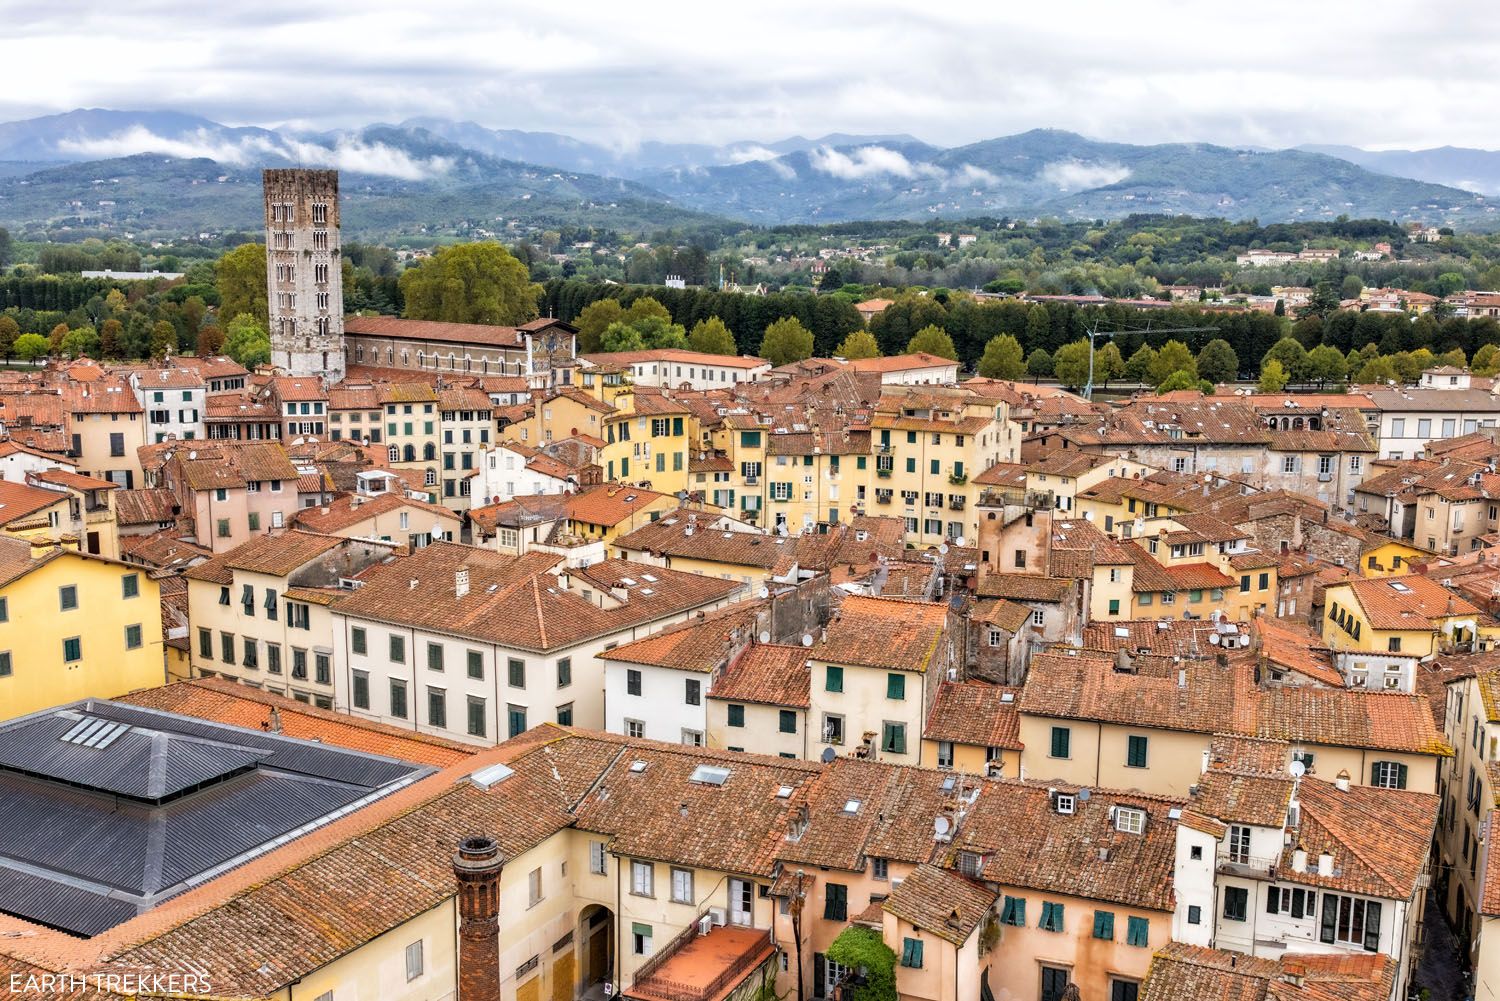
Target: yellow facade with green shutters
x,y
75,626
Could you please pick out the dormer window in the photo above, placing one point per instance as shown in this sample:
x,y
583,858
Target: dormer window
x,y
1065,803
970,864
1130,820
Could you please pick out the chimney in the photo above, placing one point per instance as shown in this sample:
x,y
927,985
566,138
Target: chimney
x,y
1325,863
1342,781
1182,677
1299,859
1293,973
461,581
275,720
477,866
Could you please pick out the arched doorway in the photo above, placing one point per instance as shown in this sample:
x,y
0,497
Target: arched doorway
x,y
595,941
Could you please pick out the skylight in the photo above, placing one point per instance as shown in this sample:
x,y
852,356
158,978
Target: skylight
x,y
637,766
91,731
711,775
784,792
852,806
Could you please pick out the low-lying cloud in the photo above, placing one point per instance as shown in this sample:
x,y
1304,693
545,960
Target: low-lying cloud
x,y
347,153
1075,175
870,161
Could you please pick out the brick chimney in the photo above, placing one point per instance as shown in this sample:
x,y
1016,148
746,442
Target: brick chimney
x,y
477,866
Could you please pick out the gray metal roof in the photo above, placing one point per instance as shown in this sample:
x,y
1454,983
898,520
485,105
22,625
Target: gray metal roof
x,y
110,808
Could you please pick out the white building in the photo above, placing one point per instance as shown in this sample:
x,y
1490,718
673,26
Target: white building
x,y
1412,416
173,400
511,469
670,368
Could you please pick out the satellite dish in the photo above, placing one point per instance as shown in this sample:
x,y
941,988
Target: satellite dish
x,y
1213,638
765,637
765,592
958,541
1083,795
828,755
940,825
807,639
1298,769
943,548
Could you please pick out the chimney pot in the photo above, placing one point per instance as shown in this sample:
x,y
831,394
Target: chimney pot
x,y
477,866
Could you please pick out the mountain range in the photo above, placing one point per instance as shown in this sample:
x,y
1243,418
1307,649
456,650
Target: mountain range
x,y
172,173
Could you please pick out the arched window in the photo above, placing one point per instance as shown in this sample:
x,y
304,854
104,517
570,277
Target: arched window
x,y
452,362
429,478
393,454
429,452
390,356
409,453
421,359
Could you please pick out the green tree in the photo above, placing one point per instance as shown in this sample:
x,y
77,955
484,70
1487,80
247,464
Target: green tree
x,y
660,333
932,340
786,341
621,336
1217,361
1002,358
163,339
1455,357
1173,356
1039,363
80,342
594,321
1323,302
111,338
1108,363
470,283
1351,287
1138,367
9,331
711,337
240,276
1071,364
246,342
1410,365
1486,359
1273,377
646,308
859,344
1038,326
1293,358
1180,379
861,948
1376,371
30,347
1326,364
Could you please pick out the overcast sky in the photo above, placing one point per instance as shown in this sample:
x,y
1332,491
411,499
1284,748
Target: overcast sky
x,y
1380,74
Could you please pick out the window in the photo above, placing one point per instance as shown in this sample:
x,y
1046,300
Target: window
x,y
636,728
1295,902
1061,739
130,585
640,937
1013,912
475,660
642,878
5,668
133,637
515,720
67,597
1235,898
895,686
1130,820
226,647
834,679
1124,990
1052,917
516,669
361,689
598,859
565,714
1388,775
205,643
564,672
1135,752
693,694
414,960
632,681
911,953
398,649
1137,932
357,641
787,721
736,715
437,707
835,902
880,869
398,699
1195,914
1351,921
72,649
682,886
1104,925
833,729
1393,645
1239,844
534,887
893,738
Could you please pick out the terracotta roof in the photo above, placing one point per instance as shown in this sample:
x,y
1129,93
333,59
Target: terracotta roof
x,y
145,507
1296,647
104,396
610,503
701,644
942,902
277,555
974,712
901,363
886,633
451,333
163,550
1241,798
1380,839
229,465
606,359
1350,717
861,809
1409,602
19,501
74,481
350,509
226,701
765,673
676,534
1024,587
1180,972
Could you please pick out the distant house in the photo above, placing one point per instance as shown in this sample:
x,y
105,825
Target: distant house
x,y
871,308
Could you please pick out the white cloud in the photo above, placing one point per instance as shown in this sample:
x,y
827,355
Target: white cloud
x,y
347,152
1075,175
971,174
869,161
753,153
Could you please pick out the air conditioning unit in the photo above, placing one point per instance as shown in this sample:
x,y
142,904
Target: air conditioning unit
x,y
705,924
718,916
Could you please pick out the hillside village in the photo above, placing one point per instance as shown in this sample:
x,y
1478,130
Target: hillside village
x,y
439,660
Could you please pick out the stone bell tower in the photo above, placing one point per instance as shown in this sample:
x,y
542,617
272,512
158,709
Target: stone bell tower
x,y
304,276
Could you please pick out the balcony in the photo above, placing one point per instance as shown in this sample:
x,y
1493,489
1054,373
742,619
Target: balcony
x,y
882,497
958,479
884,474
1259,866
955,503
883,449
703,967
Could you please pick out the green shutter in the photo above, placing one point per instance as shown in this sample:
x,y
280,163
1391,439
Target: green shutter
x,y
911,952
676,426
834,679
736,715
1104,925
1136,753
636,928
895,686
1137,932
1061,737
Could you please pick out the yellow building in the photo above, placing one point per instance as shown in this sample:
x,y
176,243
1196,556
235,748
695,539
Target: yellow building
x,y
613,509
1410,615
974,727
411,428
649,437
1388,558
73,626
